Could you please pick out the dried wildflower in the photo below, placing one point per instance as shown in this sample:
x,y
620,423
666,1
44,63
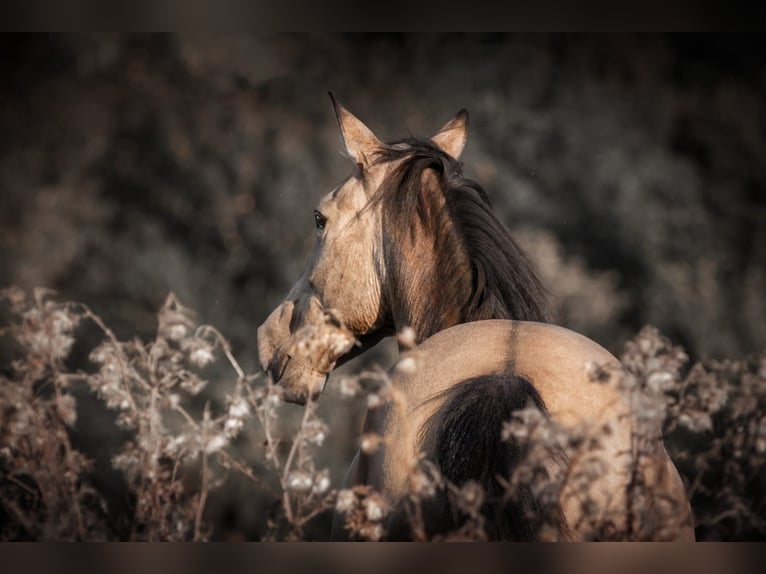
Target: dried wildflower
x,y
105,353
322,342
127,420
650,352
370,443
233,426
62,321
176,322
422,484
177,331
375,507
216,443
239,408
315,431
712,395
696,421
16,297
238,411
349,386
524,422
127,461
322,482
273,399
372,532
470,497
173,400
190,382
374,401
299,481
406,366
201,356
596,372
660,381
346,500
47,329
176,445
406,338
67,409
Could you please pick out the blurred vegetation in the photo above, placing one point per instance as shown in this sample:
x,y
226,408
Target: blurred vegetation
x,y
632,168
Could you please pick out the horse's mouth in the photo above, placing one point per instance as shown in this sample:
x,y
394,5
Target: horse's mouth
x,y
296,384
294,396
301,397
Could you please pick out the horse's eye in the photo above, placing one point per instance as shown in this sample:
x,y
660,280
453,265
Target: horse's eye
x,y
320,220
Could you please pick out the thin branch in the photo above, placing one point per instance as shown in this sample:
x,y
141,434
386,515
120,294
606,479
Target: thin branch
x,y
202,499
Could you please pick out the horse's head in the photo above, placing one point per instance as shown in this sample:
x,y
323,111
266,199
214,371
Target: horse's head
x,y
339,306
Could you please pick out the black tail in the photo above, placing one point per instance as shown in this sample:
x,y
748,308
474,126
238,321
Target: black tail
x,y
463,438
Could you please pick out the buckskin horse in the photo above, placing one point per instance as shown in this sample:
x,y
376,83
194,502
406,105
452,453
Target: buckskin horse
x,y
408,242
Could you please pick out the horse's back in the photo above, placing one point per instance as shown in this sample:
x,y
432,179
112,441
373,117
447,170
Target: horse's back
x,y
554,359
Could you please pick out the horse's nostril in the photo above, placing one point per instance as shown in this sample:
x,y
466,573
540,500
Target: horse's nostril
x,y
279,369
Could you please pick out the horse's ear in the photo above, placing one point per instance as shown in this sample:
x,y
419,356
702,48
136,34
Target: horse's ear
x,y
358,139
453,135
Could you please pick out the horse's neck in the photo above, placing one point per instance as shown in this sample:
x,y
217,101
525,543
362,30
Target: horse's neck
x,y
429,283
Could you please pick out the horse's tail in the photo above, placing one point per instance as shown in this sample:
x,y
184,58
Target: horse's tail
x,y
463,438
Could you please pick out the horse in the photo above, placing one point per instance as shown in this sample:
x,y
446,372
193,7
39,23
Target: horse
x,y
408,244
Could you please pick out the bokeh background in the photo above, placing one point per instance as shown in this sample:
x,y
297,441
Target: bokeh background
x,y
632,168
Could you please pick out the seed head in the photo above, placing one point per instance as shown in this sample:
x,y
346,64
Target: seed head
x,y
299,481
346,500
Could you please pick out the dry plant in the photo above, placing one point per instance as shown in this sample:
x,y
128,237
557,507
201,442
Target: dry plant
x,y
182,448
713,415
713,421
42,481
44,486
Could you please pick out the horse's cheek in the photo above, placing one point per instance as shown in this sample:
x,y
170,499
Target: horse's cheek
x,y
353,288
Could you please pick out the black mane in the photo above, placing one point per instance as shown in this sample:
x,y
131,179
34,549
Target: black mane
x,y
479,272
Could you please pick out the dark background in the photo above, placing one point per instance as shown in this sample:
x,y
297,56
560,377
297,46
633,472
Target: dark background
x,y
632,168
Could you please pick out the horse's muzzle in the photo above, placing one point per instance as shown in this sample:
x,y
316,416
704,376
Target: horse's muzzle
x,y
273,333
299,351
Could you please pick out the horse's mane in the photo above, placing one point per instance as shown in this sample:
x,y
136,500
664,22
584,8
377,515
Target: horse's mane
x,y
479,272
